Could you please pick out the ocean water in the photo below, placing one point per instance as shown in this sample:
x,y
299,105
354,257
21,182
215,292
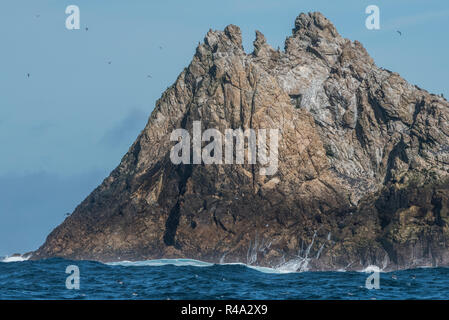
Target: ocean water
x,y
190,279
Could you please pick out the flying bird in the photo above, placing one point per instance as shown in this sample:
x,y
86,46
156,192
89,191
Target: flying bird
x,y
400,33
109,62
149,76
87,29
28,75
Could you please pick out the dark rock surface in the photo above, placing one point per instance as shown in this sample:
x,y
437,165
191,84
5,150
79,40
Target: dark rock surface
x,y
362,177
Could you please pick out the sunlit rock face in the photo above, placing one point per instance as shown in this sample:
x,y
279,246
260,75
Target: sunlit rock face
x,y
363,160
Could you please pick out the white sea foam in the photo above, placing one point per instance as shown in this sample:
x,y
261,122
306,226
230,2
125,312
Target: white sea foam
x,y
162,262
371,268
287,267
15,258
294,265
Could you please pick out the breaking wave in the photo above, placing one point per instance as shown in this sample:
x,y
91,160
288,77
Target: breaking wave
x,y
15,258
287,267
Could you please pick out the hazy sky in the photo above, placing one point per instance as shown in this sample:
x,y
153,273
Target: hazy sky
x,y
64,128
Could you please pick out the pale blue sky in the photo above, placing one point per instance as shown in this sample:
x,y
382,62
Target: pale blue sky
x,y
63,129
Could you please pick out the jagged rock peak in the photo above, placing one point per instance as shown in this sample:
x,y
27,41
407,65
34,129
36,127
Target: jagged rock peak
x,y
259,42
234,34
228,40
314,23
262,49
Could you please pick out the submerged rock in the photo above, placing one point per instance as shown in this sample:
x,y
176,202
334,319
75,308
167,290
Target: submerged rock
x,y
362,172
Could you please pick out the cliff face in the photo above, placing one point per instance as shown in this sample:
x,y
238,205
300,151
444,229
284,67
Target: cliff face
x,y
362,172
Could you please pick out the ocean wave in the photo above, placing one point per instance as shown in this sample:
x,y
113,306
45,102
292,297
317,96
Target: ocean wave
x,y
162,262
15,258
288,267
199,280
371,269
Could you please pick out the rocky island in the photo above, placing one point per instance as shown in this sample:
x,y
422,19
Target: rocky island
x,y
363,165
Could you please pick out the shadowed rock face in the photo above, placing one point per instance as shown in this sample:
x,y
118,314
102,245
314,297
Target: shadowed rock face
x,y
362,177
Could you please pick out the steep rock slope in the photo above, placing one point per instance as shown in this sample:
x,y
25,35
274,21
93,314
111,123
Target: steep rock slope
x,y
362,176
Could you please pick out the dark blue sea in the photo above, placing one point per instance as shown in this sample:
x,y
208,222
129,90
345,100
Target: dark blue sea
x,y
190,279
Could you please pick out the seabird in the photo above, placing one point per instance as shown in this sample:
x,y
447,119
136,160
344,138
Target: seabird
x,y
28,75
149,76
87,29
400,33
